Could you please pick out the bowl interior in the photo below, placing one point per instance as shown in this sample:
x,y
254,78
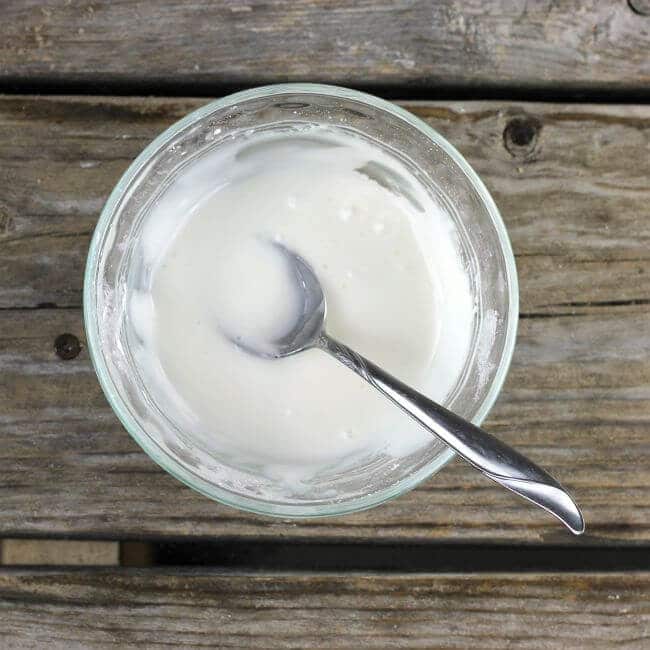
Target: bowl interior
x,y
484,247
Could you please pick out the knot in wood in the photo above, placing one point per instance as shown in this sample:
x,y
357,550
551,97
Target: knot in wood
x,y
521,135
67,346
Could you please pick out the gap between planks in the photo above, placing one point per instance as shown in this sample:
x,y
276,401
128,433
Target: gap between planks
x,y
172,88
243,555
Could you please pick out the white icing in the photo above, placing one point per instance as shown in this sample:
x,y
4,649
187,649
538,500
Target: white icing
x,y
386,254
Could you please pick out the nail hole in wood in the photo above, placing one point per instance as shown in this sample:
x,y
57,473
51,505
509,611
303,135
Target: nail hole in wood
x,y
521,134
67,346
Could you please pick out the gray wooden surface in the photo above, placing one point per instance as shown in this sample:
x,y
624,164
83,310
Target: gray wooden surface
x,y
43,552
136,609
572,183
576,201
563,45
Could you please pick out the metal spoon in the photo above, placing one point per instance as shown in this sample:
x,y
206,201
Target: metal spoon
x,y
486,453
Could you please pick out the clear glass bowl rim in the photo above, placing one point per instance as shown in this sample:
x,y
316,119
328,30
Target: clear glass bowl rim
x,y
151,447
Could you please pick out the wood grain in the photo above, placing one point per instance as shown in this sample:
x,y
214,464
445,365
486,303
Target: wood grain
x,y
466,44
577,205
144,608
49,552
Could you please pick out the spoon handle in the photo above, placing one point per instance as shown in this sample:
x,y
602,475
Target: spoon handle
x,y
486,453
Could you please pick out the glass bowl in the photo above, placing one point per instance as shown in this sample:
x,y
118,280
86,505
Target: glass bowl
x,y
484,246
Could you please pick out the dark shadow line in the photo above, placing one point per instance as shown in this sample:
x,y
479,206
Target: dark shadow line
x,y
605,303
430,90
537,315
42,305
398,557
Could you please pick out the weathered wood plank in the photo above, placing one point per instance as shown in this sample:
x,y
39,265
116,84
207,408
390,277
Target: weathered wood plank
x,y
49,552
132,609
452,43
66,466
576,202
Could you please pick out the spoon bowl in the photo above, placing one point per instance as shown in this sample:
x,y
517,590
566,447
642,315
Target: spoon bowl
x,y
310,324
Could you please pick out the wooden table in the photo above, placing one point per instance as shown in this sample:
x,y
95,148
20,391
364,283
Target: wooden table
x,y
550,103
